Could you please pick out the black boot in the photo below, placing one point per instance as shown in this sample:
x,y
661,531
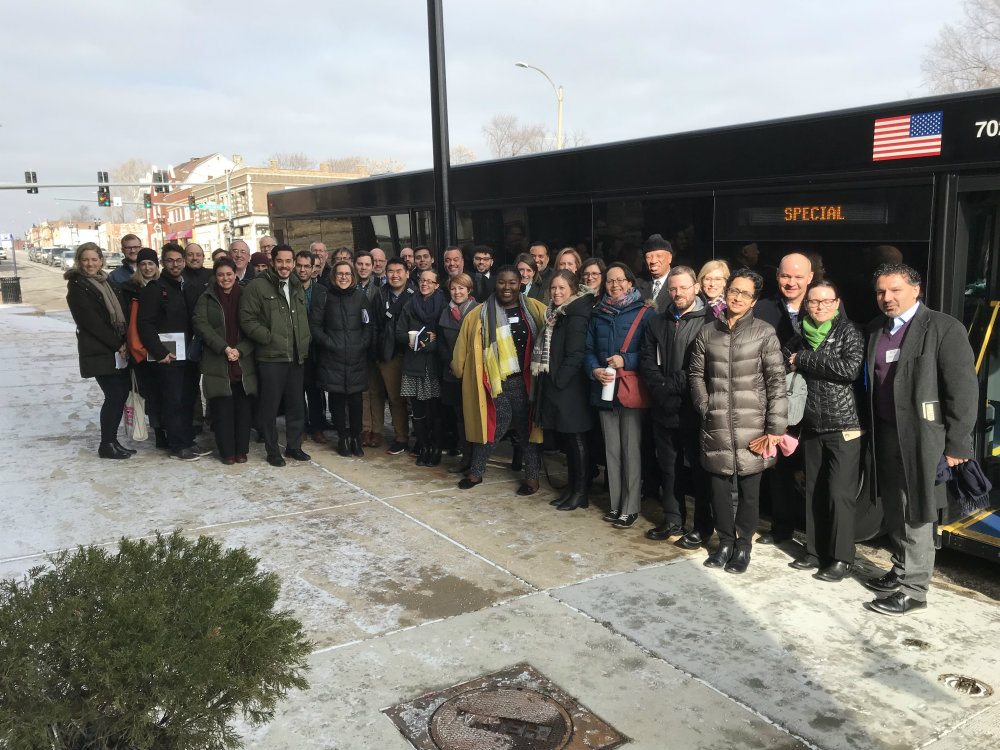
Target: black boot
x,y
420,430
465,464
578,498
130,451
110,450
161,438
344,446
720,557
433,455
356,446
568,489
516,461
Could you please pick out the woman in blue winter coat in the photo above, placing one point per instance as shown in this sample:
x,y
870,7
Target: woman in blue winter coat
x,y
612,319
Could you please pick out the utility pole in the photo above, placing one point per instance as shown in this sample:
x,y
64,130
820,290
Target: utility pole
x,y
439,127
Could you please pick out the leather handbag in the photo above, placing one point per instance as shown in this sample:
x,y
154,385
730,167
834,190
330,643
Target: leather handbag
x,y
632,391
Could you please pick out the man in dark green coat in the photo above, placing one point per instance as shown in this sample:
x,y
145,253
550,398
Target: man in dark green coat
x,y
923,395
273,313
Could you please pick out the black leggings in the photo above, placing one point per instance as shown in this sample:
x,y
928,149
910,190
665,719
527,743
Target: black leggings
x,y
115,388
352,403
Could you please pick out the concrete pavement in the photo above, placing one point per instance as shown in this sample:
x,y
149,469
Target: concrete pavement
x,y
408,585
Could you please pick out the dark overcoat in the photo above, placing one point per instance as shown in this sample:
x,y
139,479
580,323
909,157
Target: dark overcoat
x,y
936,392
96,338
563,390
209,322
341,326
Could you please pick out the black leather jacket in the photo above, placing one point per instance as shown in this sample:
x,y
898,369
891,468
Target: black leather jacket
x,y
831,373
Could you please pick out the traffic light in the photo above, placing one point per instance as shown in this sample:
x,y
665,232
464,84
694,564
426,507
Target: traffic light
x,y
192,203
103,196
147,200
30,178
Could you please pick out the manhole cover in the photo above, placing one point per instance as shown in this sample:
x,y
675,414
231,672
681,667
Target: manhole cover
x,y
968,685
514,709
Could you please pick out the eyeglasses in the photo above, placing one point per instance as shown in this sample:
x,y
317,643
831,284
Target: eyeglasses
x,y
616,282
675,289
172,261
740,293
826,304
343,274
131,247
591,274
428,281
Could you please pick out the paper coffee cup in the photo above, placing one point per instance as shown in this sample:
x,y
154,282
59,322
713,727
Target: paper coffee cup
x,y
413,338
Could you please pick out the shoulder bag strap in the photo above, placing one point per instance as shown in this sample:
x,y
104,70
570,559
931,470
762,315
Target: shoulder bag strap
x,y
631,330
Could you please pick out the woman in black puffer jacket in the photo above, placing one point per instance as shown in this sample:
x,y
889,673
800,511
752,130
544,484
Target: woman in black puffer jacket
x,y
829,355
341,328
737,377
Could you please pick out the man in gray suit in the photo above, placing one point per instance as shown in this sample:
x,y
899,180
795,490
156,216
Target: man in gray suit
x,y
923,395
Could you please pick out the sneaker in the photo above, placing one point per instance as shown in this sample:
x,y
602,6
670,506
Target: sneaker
x,y
626,521
199,451
611,516
185,454
396,448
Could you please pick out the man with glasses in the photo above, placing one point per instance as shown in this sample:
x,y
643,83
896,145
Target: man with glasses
x,y
239,251
131,245
482,281
666,354
273,313
266,244
389,352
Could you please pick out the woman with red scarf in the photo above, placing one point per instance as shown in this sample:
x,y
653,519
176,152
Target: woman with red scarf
x,y
228,373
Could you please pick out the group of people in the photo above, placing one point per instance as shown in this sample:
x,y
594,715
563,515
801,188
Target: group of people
x,y
692,370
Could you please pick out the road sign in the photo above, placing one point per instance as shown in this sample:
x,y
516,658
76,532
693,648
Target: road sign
x,y
116,201
212,206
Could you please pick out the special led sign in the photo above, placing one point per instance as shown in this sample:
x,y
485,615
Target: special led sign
x,y
814,213
820,213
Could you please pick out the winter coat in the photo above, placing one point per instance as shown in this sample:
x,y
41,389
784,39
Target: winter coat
x,y
96,338
666,357
605,336
468,365
936,395
209,322
341,326
831,373
562,391
448,330
738,387
163,308
281,333
384,314
425,361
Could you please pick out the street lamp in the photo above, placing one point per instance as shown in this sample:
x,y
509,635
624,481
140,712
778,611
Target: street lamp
x,y
559,98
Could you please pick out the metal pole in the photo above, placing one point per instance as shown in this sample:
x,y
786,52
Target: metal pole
x,y
229,205
439,126
559,99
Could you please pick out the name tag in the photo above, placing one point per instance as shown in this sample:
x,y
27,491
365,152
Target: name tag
x,y
892,356
513,318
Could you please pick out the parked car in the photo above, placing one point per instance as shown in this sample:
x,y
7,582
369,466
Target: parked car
x,y
112,260
55,254
43,254
64,260
3,253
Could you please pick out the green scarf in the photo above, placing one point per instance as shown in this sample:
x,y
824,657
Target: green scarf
x,y
816,333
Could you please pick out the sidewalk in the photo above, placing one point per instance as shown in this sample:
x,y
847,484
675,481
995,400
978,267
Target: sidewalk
x,y
408,585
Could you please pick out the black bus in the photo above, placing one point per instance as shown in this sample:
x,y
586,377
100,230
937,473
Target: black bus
x,y
921,176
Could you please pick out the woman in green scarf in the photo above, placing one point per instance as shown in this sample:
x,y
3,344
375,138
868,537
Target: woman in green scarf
x,y
829,357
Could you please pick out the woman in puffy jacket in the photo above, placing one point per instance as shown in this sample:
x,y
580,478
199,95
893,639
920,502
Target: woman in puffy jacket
x,y
421,381
737,378
557,362
829,356
227,365
341,329
609,328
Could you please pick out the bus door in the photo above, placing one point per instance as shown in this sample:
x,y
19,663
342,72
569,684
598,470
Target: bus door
x,y
977,240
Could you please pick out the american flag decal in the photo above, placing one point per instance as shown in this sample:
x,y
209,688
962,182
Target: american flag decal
x,y
907,137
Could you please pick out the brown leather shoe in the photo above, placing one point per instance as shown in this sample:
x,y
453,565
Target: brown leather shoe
x,y
366,439
229,460
318,437
375,440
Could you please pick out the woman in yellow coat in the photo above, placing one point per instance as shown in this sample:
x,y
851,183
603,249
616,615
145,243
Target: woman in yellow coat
x,y
493,360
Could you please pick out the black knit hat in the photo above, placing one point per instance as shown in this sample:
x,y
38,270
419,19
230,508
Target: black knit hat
x,y
656,242
147,253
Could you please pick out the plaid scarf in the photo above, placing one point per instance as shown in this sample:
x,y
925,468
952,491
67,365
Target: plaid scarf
x,y
614,305
499,349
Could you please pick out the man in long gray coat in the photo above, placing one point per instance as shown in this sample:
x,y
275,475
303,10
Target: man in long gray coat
x,y
923,395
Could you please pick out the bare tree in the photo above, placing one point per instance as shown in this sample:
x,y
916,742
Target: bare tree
x,y
133,170
81,214
575,138
506,137
344,163
966,56
383,166
462,154
293,161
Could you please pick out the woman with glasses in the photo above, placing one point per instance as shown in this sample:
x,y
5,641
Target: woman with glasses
x,y
737,377
614,343
341,329
712,278
493,360
527,271
100,340
829,354
592,274
417,329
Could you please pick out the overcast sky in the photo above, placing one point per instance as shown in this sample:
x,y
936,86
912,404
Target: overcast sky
x,y
86,86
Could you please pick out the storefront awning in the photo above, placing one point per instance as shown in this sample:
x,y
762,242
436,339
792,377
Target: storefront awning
x,y
180,235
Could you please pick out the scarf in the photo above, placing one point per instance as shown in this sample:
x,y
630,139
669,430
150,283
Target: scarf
x,y
543,344
231,315
458,311
100,282
499,349
614,305
428,311
816,333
